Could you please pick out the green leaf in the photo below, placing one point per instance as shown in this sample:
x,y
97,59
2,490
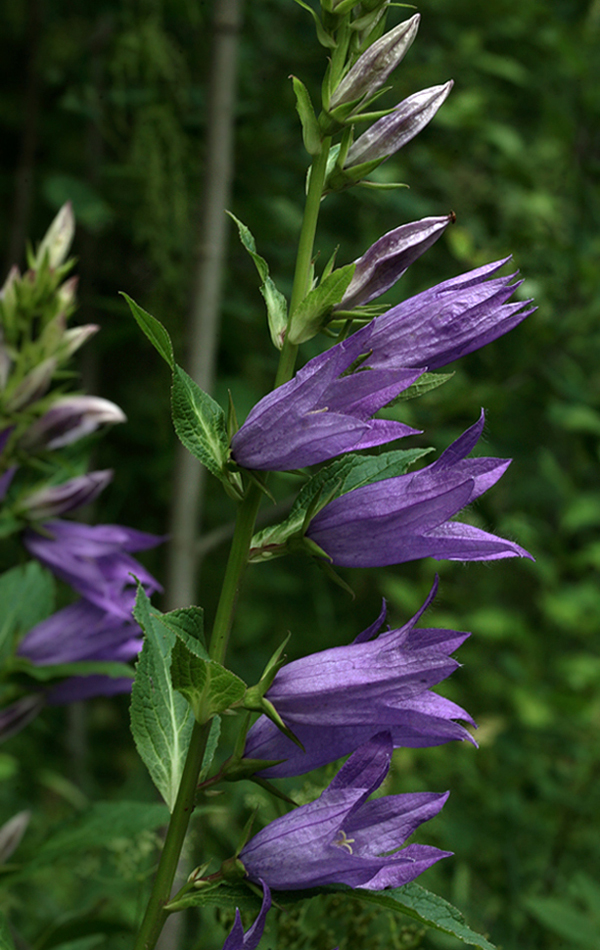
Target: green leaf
x,y
429,909
324,38
26,598
424,384
311,135
154,330
100,825
208,687
161,720
564,918
311,313
6,941
211,747
199,422
333,480
224,894
187,623
276,303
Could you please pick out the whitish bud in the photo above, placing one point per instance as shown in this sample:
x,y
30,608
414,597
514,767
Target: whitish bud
x,y
11,833
56,500
69,419
33,386
58,238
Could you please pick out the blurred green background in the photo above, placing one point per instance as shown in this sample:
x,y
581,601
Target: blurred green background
x,y
103,103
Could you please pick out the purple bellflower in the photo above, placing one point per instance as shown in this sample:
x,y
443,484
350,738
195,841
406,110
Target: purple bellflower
x,y
95,560
393,131
322,413
389,258
407,517
237,939
335,700
447,321
341,838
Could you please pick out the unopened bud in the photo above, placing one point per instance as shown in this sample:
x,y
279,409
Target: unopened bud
x,y
375,65
69,419
11,833
76,337
33,386
7,292
57,240
67,293
56,500
388,259
390,133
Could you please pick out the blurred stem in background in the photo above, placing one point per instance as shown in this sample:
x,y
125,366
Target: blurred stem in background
x,y
203,330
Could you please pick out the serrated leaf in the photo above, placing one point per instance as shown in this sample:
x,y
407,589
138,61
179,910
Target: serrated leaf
x,y
161,719
199,422
187,623
277,310
311,135
26,598
427,908
311,313
208,687
333,480
154,330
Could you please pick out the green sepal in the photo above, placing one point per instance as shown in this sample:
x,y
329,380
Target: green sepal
x,y
277,309
208,687
323,37
311,135
342,178
153,329
237,770
312,313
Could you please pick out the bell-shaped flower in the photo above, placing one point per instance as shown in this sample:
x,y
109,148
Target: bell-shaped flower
x,y
70,418
95,560
334,701
389,258
323,411
408,517
371,70
55,500
447,321
393,131
237,939
341,838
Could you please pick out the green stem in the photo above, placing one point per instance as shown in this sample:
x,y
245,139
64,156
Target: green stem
x,y
306,242
155,915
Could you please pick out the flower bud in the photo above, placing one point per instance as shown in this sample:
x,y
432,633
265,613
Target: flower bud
x,y
390,133
76,337
67,293
33,386
68,420
375,65
55,500
11,833
58,238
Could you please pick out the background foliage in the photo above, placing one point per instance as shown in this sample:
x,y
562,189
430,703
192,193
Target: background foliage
x,y
103,103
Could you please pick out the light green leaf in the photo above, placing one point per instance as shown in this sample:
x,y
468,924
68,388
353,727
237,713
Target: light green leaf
x,y
26,598
424,384
276,303
153,329
311,314
161,720
208,687
333,480
311,135
199,422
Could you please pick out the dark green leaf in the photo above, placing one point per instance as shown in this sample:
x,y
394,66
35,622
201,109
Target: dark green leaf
x,y
208,687
274,299
424,384
187,623
310,127
26,598
6,941
199,422
154,330
61,670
